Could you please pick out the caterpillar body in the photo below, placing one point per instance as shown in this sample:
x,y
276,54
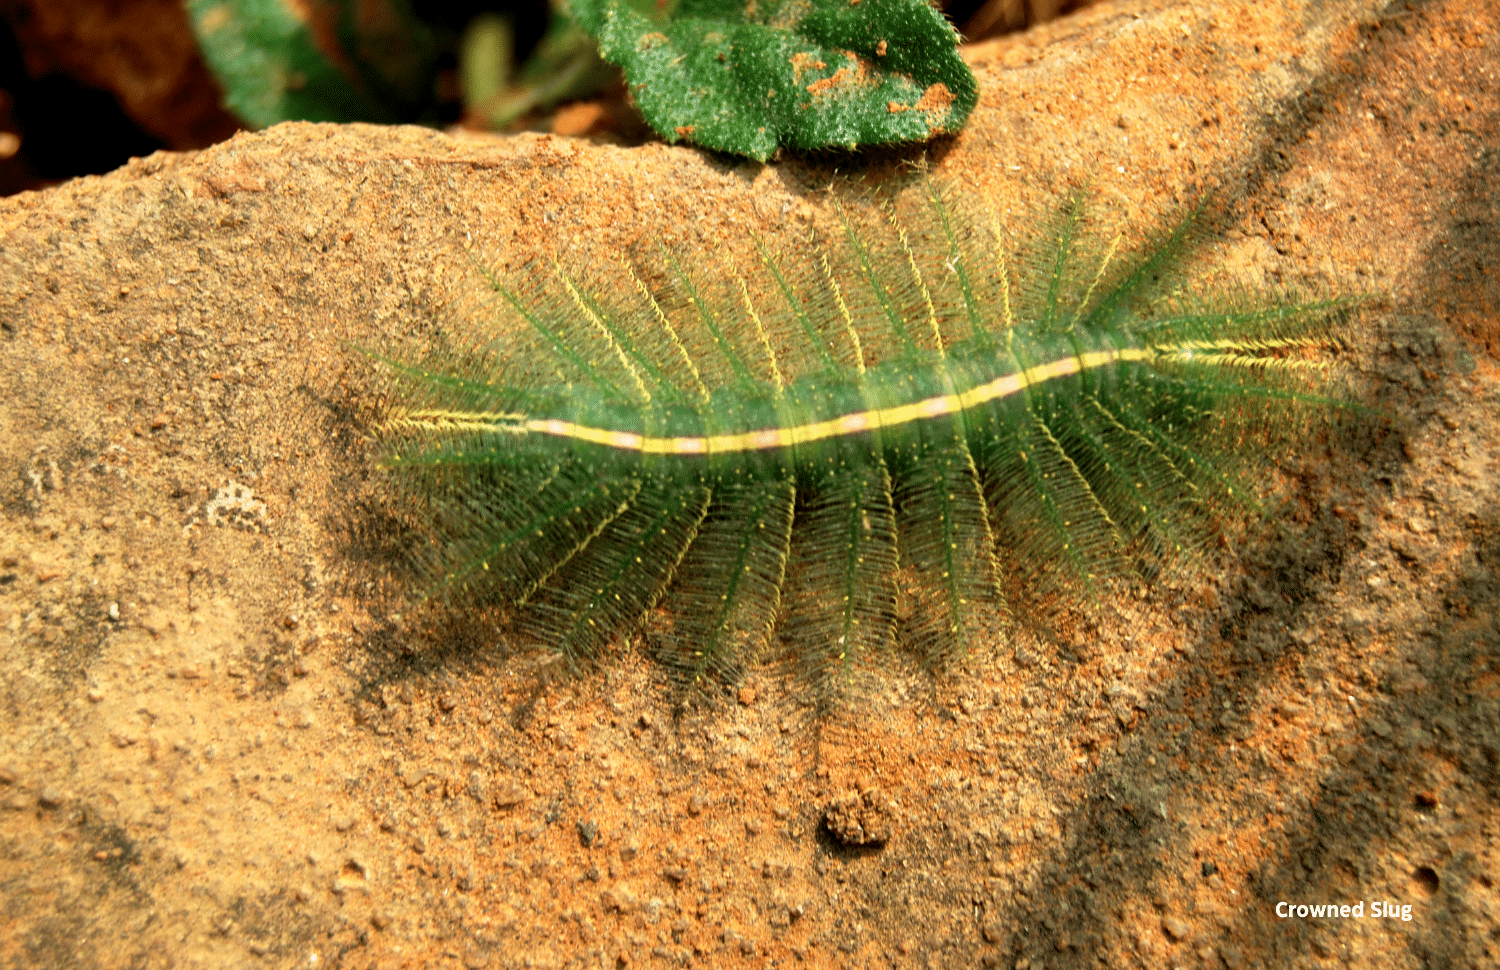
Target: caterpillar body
x,y
773,449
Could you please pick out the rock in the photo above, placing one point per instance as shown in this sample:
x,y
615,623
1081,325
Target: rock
x,y
221,275
509,794
476,788
1176,929
617,898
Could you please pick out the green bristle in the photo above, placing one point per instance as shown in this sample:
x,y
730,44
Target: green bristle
x,y
1122,405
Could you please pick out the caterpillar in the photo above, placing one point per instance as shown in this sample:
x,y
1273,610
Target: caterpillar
x,y
792,447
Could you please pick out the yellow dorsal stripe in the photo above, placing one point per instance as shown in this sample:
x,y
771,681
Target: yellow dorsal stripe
x,y
767,438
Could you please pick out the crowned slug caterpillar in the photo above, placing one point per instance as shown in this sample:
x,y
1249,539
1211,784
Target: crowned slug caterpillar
x,y
767,450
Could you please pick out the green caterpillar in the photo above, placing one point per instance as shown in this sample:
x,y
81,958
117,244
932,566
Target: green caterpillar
x,y
771,450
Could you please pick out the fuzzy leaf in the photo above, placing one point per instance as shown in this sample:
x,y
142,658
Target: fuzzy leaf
x,y
747,76
323,60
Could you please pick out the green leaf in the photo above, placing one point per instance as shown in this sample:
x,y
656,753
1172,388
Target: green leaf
x,y
748,77
319,60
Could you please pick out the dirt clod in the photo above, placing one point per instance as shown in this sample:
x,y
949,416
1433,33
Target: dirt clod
x,y
865,818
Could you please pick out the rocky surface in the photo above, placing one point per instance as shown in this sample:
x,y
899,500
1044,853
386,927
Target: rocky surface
x,y
222,748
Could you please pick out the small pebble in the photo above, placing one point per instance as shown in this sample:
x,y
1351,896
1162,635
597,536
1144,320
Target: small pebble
x,y
50,797
343,823
696,805
380,920
508,794
588,834
1176,928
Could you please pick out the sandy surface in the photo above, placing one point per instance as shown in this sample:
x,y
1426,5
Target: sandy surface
x,y
219,747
